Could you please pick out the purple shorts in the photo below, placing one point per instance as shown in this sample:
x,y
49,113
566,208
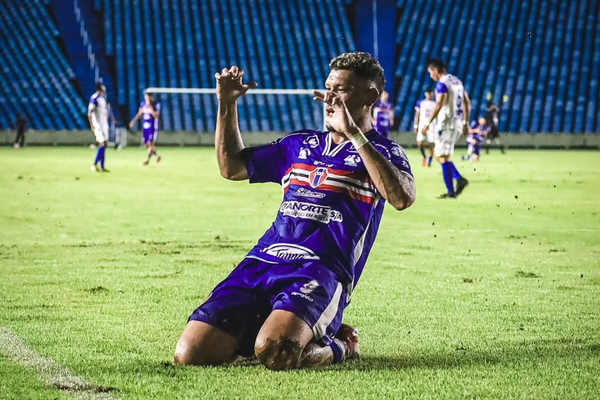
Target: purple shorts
x,y
149,136
474,149
241,303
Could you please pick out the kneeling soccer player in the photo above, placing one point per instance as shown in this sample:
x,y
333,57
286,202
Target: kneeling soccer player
x,y
284,302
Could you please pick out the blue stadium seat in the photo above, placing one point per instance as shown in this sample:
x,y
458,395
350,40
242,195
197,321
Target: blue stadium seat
x,y
30,75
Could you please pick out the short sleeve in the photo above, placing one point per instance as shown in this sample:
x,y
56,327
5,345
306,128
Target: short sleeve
x,y
93,103
266,163
440,88
418,105
473,125
395,153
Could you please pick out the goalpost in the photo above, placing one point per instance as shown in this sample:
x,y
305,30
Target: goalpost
x,y
274,106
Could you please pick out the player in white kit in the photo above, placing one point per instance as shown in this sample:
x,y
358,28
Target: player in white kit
x,y
423,111
98,117
451,112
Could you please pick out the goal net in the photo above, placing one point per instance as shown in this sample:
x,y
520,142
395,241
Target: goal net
x,y
260,110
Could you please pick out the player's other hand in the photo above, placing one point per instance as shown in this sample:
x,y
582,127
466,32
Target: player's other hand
x,y
424,129
131,125
337,116
230,86
465,130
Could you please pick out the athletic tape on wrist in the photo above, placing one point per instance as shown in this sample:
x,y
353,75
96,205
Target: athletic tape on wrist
x,y
359,140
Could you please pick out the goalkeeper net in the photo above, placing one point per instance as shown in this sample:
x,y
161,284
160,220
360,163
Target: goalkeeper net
x,y
260,110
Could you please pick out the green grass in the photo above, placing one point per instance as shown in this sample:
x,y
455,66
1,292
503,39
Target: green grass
x,y
494,295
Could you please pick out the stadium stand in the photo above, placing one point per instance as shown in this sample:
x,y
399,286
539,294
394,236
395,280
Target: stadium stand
x,y
35,75
183,43
541,54
77,33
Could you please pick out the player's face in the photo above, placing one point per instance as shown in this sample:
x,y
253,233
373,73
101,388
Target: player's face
x,y
103,90
358,93
434,73
147,99
428,95
481,121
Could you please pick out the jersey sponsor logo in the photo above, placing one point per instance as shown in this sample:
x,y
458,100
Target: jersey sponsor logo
x,y
309,193
309,287
306,290
317,177
312,141
352,160
290,252
315,212
322,163
304,153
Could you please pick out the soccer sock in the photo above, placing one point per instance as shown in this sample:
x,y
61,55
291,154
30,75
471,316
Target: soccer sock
x,y
149,156
429,160
447,174
338,351
455,173
98,154
102,156
423,151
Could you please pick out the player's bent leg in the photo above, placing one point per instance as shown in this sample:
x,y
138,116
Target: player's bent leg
x,y
204,344
282,340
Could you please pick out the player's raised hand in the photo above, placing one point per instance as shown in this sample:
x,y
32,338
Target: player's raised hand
x,y
230,86
339,117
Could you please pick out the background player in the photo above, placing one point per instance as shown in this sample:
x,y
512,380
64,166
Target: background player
x,y
284,301
98,111
20,126
149,111
492,113
477,131
423,111
383,115
452,110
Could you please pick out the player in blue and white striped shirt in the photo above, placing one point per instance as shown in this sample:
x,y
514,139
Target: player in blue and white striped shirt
x,y
451,112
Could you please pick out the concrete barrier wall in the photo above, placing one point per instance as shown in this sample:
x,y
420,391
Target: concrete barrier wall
x,y
186,138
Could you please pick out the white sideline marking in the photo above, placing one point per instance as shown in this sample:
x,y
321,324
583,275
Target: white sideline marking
x,y
54,374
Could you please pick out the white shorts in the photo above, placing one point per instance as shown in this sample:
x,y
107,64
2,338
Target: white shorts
x,y
430,138
101,133
447,134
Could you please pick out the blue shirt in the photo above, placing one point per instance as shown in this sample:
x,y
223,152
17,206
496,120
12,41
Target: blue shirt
x,y
330,210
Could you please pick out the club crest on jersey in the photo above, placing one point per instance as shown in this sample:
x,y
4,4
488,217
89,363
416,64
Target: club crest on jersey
x,y
317,177
312,141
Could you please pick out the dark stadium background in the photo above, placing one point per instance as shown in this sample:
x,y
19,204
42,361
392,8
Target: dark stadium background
x,y
542,56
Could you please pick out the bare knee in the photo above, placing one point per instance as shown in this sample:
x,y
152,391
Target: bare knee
x,y
203,344
278,354
187,353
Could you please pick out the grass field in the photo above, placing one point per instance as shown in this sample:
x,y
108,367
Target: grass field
x,y
494,295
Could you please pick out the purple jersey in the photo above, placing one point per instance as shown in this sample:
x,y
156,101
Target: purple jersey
x,y
480,130
149,123
331,209
474,139
381,113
